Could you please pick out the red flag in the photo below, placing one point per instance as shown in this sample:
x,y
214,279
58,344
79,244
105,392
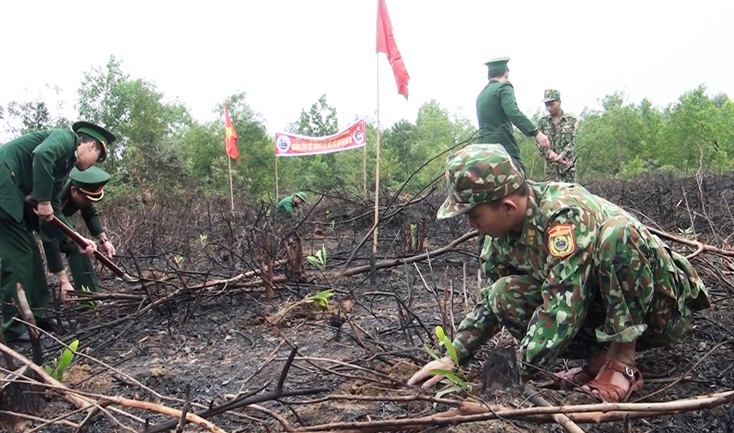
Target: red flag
x,y
386,44
230,136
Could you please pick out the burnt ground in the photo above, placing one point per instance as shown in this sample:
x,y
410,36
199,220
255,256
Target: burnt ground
x,y
230,338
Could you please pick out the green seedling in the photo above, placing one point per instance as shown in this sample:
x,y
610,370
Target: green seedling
x,y
321,298
88,305
60,365
202,239
687,233
319,260
454,379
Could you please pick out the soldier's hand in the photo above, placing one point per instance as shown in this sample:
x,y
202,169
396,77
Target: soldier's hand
x,y
542,140
424,373
45,211
67,291
89,249
108,248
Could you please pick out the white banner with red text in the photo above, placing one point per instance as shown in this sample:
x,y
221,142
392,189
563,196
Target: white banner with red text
x,y
353,137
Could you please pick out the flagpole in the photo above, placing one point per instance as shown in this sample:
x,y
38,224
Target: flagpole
x,y
377,157
364,167
277,194
231,189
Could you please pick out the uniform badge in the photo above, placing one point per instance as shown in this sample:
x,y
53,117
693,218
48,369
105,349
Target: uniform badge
x,y
561,242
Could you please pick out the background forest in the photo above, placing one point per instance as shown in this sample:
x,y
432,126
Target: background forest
x,y
162,149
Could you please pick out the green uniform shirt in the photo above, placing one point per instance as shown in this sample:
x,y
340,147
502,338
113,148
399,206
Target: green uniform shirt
x,y
53,238
32,165
496,113
287,205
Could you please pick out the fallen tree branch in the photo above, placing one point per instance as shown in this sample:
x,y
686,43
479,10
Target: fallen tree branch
x,y
67,393
561,419
473,412
700,247
407,260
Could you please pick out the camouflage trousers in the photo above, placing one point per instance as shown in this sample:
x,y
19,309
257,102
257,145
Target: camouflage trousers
x,y
627,298
558,173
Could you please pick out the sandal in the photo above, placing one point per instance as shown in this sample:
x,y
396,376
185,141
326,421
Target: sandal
x,y
570,381
610,392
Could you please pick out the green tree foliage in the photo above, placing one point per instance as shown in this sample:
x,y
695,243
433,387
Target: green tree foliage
x,y
144,154
162,149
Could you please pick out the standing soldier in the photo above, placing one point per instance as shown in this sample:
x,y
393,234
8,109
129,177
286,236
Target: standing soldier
x,y
32,165
561,129
572,275
497,111
81,191
291,203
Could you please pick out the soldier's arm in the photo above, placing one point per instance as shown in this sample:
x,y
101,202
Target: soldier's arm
x,y
53,256
555,323
90,215
543,127
56,147
476,328
509,104
481,323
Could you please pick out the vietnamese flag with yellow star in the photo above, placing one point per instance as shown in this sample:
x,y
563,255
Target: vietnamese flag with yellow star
x,y
230,136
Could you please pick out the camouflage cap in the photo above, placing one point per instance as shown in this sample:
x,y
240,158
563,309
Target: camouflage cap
x,y
476,174
301,195
551,95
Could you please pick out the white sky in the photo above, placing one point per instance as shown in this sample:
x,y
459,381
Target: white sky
x,y
286,53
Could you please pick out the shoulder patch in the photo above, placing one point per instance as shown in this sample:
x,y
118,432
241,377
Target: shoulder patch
x,y
561,241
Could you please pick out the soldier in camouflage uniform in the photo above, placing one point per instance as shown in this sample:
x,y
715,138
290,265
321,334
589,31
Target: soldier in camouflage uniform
x,y
573,276
561,129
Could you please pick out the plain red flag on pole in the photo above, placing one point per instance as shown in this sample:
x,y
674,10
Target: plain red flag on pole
x,y
386,44
230,136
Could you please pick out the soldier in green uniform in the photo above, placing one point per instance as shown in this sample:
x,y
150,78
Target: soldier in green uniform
x,y
31,166
561,129
290,204
497,111
81,191
572,275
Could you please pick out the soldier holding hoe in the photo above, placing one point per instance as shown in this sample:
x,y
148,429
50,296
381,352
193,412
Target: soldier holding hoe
x,y
31,166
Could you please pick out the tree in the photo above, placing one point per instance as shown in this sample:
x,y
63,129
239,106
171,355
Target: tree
x,y
133,109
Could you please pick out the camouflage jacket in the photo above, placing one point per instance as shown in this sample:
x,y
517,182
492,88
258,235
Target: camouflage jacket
x,y
566,270
561,136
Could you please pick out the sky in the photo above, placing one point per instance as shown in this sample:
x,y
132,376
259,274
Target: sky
x,y
286,53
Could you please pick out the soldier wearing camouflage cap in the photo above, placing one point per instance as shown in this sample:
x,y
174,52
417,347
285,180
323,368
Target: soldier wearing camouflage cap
x,y
497,111
561,128
572,275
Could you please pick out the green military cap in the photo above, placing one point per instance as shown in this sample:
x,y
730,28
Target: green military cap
x,y
98,133
90,182
551,95
301,195
476,174
498,64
